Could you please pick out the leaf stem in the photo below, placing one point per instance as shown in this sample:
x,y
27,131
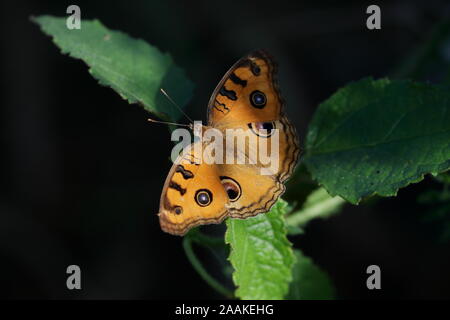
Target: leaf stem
x,y
213,283
301,217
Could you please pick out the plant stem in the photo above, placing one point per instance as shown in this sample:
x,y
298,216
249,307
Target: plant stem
x,y
301,217
187,245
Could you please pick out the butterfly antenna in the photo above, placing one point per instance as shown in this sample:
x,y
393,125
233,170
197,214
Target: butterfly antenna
x,y
172,123
175,104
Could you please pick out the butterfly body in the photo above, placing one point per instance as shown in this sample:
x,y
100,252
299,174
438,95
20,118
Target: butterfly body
x,y
200,191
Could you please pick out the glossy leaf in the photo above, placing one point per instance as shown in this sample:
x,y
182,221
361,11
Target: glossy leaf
x,y
376,136
261,254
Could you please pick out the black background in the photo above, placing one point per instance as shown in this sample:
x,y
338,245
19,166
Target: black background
x,y
81,171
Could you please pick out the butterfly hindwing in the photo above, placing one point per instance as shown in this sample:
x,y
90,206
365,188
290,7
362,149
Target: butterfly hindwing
x,y
261,181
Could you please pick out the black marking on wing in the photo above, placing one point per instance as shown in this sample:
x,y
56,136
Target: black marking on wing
x,y
230,94
237,80
176,186
221,107
185,173
254,68
218,109
192,159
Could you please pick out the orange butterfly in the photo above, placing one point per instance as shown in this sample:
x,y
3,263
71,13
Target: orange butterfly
x,y
197,193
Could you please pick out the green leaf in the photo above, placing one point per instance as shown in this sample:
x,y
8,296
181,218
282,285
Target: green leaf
x,y
309,281
130,66
374,137
319,204
261,254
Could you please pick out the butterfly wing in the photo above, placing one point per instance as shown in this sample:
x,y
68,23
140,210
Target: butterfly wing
x,y
249,192
248,98
192,194
233,100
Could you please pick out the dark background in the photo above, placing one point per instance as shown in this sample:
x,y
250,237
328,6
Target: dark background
x,y
81,171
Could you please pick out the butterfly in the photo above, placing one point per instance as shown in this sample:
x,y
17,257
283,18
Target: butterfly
x,y
196,192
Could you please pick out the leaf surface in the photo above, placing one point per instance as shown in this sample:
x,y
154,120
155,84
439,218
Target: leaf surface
x,y
376,136
261,254
309,281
